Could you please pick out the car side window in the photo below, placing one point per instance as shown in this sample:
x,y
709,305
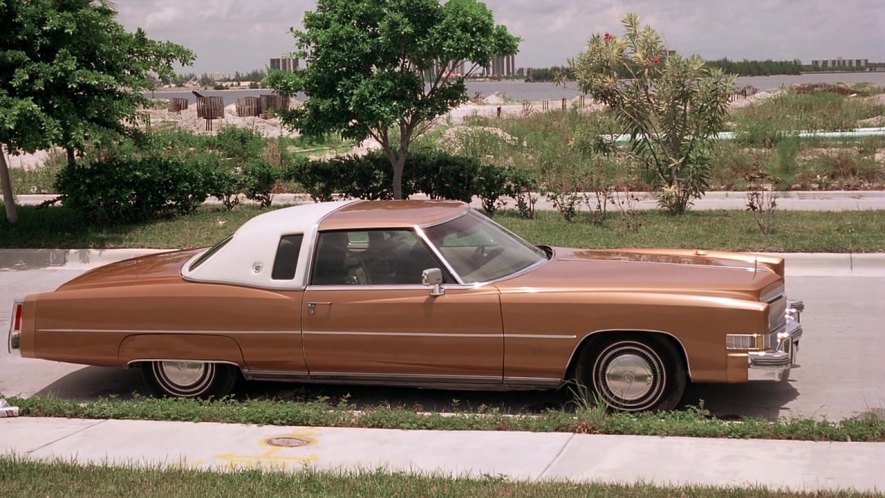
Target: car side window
x,y
286,260
371,257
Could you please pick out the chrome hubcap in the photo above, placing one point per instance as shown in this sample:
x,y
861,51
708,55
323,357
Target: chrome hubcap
x,y
629,377
183,373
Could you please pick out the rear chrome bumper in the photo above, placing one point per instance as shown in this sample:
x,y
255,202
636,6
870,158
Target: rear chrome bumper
x,y
775,365
13,341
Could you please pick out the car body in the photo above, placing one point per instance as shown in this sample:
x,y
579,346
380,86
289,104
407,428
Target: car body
x,y
424,293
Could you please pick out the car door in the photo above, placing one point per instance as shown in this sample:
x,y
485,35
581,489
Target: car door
x,y
366,315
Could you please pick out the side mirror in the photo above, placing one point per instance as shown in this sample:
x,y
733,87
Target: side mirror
x,y
432,277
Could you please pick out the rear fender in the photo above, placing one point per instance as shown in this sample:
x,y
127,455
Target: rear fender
x,y
196,347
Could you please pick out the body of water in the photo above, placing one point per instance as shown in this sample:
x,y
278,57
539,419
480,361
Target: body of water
x,y
518,90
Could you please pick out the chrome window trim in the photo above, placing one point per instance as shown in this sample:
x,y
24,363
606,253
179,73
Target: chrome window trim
x,y
387,287
467,212
423,236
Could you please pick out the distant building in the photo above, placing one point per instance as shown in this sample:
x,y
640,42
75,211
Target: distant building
x,y
839,63
284,63
501,66
452,70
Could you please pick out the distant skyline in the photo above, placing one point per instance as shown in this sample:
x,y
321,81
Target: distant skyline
x,y
233,35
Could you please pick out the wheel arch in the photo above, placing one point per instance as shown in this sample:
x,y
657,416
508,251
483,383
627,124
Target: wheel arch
x,y
206,348
598,336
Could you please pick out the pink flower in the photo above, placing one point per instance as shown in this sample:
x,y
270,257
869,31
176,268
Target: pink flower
x,y
607,37
655,60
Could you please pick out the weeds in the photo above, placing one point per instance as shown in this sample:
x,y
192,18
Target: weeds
x,y
762,199
585,417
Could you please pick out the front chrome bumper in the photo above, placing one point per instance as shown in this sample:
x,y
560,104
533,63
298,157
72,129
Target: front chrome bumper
x,y
775,365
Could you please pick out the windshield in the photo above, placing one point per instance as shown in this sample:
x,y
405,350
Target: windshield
x,y
480,250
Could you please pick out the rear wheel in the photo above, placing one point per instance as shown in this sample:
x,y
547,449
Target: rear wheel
x,y
632,373
189,379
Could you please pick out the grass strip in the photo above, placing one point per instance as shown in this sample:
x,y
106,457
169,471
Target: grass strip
x,y
22,477
693,422
794,231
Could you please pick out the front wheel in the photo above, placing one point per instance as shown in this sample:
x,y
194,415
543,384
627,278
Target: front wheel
x,y
189,379
633,373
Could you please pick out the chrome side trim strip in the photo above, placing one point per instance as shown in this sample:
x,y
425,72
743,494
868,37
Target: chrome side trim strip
x,y
161,331
539,336
403,334
275,375
410,377
145,360
538,381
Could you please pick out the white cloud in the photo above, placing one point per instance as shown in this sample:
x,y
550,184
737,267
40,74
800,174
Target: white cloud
x,y
230,35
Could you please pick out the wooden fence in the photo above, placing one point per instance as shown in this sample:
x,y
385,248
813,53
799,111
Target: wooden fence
x,y
210,108
177,104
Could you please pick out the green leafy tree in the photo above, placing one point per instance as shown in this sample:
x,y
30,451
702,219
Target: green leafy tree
x,y
71,73
670,105
386,68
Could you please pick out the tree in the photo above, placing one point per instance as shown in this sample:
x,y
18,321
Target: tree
x,y
670,105
71,74
386,68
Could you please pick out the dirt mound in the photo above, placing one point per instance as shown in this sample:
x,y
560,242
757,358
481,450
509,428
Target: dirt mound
x,y
839,89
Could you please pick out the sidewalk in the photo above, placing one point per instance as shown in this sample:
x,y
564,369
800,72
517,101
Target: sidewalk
x,y
797,465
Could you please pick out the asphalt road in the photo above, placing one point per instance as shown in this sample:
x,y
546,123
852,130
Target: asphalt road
x,y
840,369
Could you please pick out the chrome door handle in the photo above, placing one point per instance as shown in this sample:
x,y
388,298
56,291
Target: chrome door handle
x,y
312,307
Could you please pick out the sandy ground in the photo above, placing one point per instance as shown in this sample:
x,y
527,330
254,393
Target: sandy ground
x,y
489,107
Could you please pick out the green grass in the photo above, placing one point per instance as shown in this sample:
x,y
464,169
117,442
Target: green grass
x,y
766,122
795,231
21,477
577,417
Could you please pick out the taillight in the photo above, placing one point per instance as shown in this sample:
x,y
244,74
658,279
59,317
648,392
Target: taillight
x,y
17,318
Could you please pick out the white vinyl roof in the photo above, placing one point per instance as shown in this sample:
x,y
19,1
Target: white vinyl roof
x,y
249,256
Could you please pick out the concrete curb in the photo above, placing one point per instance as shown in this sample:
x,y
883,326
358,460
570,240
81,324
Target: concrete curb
x,y
797,264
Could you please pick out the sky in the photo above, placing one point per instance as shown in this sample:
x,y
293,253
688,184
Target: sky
x,y
238,35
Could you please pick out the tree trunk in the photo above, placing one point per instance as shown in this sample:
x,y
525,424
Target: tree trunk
x,y
71,157
398,167
6,185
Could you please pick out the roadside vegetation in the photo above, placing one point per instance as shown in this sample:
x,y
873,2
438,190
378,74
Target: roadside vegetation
x,y
22,477
558,155
795,231
577,417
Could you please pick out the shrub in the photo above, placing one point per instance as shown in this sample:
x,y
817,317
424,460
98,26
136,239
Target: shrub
x,y
223,183
320,179
259,178
239,144
128,191
437,174
444,176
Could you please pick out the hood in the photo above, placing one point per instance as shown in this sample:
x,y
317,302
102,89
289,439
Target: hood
x,y
155,268
717,274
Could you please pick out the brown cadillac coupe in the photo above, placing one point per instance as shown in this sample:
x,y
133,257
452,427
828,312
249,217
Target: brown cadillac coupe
x,y
420,293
